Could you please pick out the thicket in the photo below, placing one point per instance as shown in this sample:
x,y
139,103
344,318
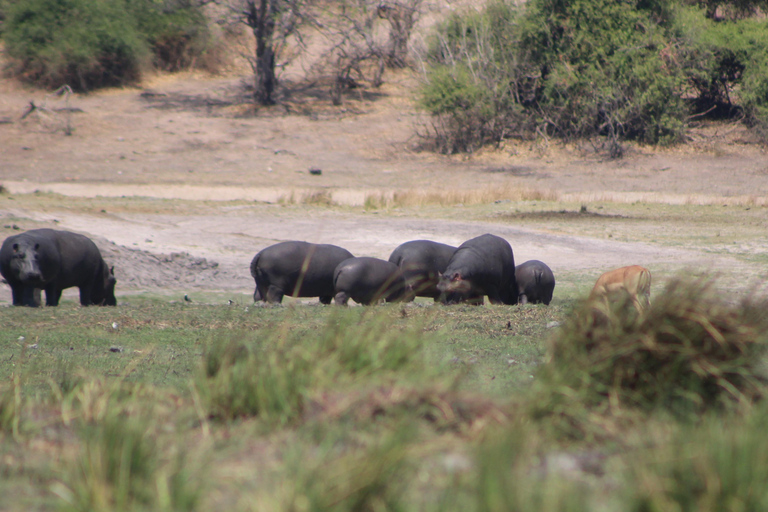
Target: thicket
x,y
633,70
93,43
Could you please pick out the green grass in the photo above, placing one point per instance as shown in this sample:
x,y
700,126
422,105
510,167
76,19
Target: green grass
x,y
398,407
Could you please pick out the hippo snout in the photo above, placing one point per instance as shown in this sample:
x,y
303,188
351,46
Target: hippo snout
x,y
32,277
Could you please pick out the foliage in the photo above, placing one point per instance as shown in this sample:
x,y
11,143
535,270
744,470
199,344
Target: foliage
x,y
83,43
620,70
691,352
274,375
176,30
95,43
721,465
121,464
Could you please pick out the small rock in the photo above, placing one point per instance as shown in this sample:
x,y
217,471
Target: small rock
x,y
552,325
315,171
115,349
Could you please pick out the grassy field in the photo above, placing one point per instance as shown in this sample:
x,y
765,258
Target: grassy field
x,y
159,405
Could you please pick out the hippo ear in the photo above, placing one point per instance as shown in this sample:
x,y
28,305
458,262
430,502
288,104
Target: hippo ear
x,y
112,270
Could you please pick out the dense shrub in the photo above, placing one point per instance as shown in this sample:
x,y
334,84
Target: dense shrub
x,y
691,352
94,43
83,43
634,70
177,31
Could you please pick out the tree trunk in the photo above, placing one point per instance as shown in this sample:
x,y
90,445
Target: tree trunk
x,y
262,22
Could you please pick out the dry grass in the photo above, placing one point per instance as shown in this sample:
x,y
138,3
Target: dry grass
x,y
450,197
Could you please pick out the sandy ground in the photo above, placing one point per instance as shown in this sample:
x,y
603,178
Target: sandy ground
x,y
194,137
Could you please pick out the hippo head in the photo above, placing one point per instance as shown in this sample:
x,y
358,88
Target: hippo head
x,y
25,264
104,295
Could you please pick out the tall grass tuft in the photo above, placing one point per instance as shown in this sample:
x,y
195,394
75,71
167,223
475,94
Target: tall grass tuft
x,y
720,465
510,471
10,408
268,379
270,374
691,351
356,480
367,342
120,464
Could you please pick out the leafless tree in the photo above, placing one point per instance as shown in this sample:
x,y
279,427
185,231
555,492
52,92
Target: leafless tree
x,y
272,23
402,15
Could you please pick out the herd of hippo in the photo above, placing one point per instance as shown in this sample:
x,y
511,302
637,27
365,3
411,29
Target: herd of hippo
x,y
482,266
52,260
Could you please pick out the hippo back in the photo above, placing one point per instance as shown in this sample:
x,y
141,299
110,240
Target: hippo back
x,y
535,282
367,280
298,269
488,264
422,262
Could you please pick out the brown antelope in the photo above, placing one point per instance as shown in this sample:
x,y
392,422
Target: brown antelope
x,y
634,280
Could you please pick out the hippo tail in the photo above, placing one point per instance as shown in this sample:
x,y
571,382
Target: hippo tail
x,y
255,265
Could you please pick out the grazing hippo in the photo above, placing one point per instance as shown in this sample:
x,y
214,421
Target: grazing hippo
x,y
367,281
535,282
296,269
53,260
421,262
633,280
484,265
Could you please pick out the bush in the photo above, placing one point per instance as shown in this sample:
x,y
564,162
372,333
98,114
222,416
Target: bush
x,y
690,352
96,43
83,43
621,70
176,30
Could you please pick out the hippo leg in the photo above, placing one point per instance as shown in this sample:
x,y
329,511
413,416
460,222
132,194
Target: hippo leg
x,y
53,295
341,299
85,295
522,299
325,299
274,294
256,295
17,292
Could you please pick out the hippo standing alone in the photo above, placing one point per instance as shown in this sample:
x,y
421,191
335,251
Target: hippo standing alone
x,y
421,262
367,281
54,260
296,269
484,265
535,282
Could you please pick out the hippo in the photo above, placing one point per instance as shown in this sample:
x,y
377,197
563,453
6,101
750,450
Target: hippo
x,y
368,280
484,265
421,262
53,260
296,269
535,282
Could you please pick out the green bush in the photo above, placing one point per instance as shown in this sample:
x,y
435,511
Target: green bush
x,y
632,70
176,30
690,352
82,43
95,43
